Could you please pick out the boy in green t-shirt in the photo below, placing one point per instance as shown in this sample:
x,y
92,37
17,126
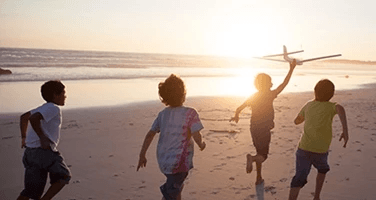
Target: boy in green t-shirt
x,y
317,116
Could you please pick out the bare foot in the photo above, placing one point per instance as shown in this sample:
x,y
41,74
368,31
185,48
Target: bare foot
x,y
249,163
260,181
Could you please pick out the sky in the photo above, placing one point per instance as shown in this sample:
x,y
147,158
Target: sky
x,y
236,28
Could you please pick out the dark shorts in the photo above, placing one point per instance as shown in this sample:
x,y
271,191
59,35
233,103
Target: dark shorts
x,y
38,164
304,161
173,186
261,137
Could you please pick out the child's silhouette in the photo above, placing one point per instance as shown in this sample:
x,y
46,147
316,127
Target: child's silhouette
x,y
262,119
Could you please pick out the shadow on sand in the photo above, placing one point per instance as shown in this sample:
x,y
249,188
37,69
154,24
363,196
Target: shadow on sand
x,y
260,191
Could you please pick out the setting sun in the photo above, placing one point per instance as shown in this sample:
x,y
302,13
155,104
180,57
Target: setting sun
x,y
241,40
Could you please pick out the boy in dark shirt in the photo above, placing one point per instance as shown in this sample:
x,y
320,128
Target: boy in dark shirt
x,y
262,119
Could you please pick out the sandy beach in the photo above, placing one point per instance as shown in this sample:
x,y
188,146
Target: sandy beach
x,y
101,147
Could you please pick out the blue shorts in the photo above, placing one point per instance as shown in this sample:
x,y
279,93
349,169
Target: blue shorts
x,y
304,161
38,164
173,186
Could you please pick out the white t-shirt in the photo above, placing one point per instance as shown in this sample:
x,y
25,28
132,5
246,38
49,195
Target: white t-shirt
x,y
50,124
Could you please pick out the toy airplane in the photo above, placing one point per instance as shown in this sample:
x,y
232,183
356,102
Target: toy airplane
x,y
289,59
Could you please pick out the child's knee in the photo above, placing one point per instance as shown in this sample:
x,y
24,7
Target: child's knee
x,y
323,171
261,157
170,192
265,156
60,178
298,181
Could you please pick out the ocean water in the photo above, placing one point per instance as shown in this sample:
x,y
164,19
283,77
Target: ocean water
x,y
96,78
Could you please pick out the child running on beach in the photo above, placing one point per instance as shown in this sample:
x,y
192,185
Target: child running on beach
x,y
313,147
40,140
262,119
177,124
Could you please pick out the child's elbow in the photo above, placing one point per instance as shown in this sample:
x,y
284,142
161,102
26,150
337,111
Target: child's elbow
x,y
340,109
299,120
35,118
25,116
197,136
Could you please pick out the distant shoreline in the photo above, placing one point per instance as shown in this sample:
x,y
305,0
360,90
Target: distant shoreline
x,y
344,61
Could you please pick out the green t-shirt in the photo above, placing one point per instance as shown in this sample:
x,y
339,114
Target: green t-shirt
x,y
318,117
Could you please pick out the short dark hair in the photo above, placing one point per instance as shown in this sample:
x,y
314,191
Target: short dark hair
x,y
51,88
324,90
172,91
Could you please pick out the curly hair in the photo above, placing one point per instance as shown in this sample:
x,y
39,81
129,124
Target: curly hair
x,y
324,90
51,88
172,91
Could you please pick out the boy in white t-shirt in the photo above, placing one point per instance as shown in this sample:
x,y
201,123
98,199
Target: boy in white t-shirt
x,y
40,139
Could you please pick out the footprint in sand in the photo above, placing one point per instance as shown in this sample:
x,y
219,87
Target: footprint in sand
x,y
218,154
283,180
215,191
216,168
270,189
71,124
239,190
140,187
5,138
220,165
8,123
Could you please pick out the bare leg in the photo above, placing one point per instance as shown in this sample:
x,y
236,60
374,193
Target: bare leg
x,y
22,198
319,183
259,179
259,160
294,192
53,190
249,167
179,197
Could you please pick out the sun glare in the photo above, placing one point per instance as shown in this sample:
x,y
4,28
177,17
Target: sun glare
x,y
241,84
241,40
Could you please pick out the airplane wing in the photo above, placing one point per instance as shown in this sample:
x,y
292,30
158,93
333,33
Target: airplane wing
x,y
284,54
318,58
263,58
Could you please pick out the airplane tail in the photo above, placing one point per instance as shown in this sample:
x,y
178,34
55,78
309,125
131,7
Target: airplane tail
x,y
285,56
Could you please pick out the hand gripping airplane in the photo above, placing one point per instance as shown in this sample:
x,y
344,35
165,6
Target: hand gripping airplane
x,y
289,59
